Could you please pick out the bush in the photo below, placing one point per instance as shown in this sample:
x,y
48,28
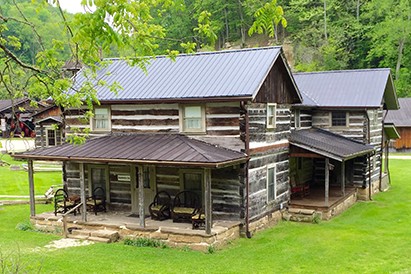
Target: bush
x,y
145,242
27,226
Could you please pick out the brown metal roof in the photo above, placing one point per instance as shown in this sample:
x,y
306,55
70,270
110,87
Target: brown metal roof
x,y
170,149
329,144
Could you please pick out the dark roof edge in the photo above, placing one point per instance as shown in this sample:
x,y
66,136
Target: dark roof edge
x,y
147,162
343,71
177,100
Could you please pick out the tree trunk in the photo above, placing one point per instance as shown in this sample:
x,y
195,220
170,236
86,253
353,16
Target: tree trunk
x,y
325,20
358,10
242,28
400,53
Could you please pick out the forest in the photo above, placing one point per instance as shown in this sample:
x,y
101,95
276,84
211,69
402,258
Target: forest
x,y
317,35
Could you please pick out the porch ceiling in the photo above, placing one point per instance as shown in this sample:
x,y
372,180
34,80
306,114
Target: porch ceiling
x,y
167,149
328,144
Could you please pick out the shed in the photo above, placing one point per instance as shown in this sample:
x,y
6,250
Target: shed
x,y
401,119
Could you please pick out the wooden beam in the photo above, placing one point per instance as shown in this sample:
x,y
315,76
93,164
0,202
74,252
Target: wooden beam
x,y
31,189
305,155
83,192
208,201
343,178
141,212
327,181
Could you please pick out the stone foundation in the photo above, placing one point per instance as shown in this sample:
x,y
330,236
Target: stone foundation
x,y
339,207
174,237
266,221
364,194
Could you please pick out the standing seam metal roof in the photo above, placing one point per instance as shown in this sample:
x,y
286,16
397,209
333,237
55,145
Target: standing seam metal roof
x,y
328,144
401,117
231,73
344,88
141,148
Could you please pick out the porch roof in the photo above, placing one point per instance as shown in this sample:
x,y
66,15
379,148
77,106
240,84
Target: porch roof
x,y
329,144
167,149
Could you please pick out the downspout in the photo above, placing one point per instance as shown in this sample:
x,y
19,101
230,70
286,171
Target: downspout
x,y
382,150
369,155
247,186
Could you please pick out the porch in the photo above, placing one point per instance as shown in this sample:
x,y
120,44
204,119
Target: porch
x,y
315,201
128,226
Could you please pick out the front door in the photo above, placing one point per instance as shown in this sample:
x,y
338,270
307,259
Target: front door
x,y
149,189
193,180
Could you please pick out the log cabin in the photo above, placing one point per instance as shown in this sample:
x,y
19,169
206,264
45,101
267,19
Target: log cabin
x,y
214,123
339,108
401,119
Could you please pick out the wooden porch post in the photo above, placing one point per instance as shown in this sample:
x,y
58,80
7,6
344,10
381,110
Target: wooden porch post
x,y
343,178
83,193
31,189
141,212
327,180
208,202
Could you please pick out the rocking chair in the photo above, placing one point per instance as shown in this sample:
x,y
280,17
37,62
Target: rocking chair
x,y
97,202
186,204
160,207
63,203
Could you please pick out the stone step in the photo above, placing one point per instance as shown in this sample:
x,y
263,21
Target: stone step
x,y
302,215
102,236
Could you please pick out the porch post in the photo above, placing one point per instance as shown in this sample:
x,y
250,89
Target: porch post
x,y
343,178
31,189
327,180
141,212
207,200
83,193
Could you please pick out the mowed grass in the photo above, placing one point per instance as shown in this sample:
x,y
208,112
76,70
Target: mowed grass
x,y
16,182
370,237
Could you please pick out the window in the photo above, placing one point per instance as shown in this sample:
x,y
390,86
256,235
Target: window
x,y
297,119
338,119
146,177
192,180
51,137
271,115
101,119
271,183
193,119
98,176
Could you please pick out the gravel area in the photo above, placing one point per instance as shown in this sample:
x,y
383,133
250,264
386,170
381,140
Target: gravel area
x,y
64,243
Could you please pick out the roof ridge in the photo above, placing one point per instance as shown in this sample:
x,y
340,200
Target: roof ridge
x,y
341,71
200,53
196,148
309,97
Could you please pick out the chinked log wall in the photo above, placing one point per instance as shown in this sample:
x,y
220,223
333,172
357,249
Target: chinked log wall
x,y
226,187
221,118
357,129
276,152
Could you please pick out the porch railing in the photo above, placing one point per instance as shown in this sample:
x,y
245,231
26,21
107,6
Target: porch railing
x,y
65,218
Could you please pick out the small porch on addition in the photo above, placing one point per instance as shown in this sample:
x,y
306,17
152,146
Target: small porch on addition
x,y
324,168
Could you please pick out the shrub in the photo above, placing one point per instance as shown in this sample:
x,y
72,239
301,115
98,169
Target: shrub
x,y
145,242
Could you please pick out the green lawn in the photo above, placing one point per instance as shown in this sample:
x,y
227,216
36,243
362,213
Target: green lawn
x,y
16,182
371,237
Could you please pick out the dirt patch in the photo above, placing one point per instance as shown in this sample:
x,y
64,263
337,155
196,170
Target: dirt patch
x,y
64,243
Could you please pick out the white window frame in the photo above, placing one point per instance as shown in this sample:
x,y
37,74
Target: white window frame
x,y
183,120
47,136
271,111
93,120
297,118
274,183
346,119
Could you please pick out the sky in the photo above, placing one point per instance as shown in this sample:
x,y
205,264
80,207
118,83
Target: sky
x,y
72,6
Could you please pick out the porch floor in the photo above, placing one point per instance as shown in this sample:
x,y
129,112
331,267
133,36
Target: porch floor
x,y
315,200
176,234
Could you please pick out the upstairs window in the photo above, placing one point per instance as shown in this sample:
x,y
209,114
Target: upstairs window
x,y
193,119
101,119
339,119
271,115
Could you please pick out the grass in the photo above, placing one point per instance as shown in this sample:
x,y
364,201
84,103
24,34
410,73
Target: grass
x,y
370,237
16,182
